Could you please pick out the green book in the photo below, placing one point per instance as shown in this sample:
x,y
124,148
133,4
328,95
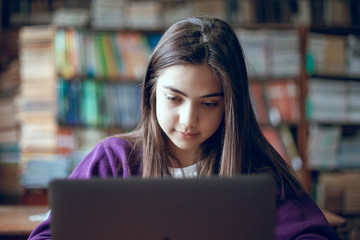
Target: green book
x,y
100,56
89,105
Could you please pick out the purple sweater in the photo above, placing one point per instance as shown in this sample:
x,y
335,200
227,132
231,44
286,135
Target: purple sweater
x,y
298,217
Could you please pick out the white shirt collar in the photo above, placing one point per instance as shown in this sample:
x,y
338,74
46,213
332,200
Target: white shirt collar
x,y
187,172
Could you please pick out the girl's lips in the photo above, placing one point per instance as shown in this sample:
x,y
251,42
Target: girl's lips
x,y
187,135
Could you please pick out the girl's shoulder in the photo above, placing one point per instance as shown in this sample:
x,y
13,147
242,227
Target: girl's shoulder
x,y
117,142
299,217
113,156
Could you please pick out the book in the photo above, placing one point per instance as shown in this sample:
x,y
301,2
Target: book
x,y
290,147
339,192
353,55
328,53
336,12
144,14
100,58
108,14
283,100
91,69
73,97
134,53
327,100
246,11
323,144
89,107
10,78
284,53
254,44
271,52
36,102
109,55
349,151
9,177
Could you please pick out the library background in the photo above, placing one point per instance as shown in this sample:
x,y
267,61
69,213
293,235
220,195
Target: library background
x,y
70,73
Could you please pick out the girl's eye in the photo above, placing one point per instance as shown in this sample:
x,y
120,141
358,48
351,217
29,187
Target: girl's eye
x,y
172,98
210,104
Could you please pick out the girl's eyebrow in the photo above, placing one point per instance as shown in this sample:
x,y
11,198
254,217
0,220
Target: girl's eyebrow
x,y
185,95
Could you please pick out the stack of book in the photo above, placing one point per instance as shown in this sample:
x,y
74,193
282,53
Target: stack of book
x,y
217,8
126,14
330,147
327,100
353,55
175,10
349,152
339,192
326,54
9,148
336,12
255,50
108,13
37,108
353,102
333,101
9,84
323,144
274,53
8,130
303,13
77,17
144,14
284,53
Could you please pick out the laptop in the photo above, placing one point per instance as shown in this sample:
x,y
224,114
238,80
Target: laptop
x,y
241,207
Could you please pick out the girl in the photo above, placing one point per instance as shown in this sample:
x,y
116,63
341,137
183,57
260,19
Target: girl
x,y
197,120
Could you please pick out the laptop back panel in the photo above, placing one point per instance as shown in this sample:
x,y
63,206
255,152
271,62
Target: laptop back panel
x,y
242,207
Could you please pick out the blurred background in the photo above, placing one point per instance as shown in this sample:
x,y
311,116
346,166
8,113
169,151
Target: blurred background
x,y
71,70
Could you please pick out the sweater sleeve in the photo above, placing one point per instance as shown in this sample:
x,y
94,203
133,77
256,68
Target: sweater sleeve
x,y
107,159
300,218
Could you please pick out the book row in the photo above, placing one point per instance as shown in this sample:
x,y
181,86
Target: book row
x,y
339,192
113,55
275,101
330,147
155,13
336,55
333,101
98,104
270,52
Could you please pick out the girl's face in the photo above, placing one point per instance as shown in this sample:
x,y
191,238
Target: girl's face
x,y
189,107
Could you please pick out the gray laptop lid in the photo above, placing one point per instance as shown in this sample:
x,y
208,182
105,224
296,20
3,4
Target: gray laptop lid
x,y
242,207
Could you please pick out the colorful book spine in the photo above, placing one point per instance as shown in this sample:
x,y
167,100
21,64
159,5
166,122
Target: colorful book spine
x,y
98,103
109,55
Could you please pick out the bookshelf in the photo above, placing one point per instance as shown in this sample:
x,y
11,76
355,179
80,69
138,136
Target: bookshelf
x,y
89,90
292,21
333,116
274,58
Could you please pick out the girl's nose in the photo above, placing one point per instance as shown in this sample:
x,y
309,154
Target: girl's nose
x,y
188,115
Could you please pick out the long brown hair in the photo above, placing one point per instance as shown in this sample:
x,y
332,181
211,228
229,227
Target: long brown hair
x,y
238,146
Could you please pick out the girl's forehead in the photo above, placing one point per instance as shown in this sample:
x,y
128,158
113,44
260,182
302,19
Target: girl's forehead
x,y
196,75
